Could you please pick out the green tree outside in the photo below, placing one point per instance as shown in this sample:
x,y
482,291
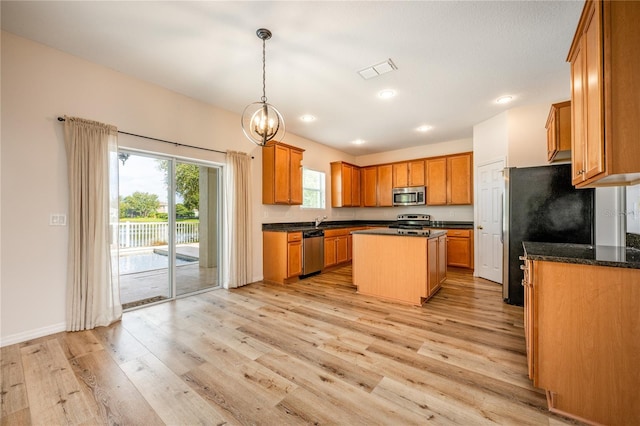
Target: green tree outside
x,y
139,204
187,182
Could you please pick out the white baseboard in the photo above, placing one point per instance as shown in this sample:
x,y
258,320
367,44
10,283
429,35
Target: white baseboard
x,y
32,334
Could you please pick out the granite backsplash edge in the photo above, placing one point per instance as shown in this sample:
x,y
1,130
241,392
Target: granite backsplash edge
x,y
633,240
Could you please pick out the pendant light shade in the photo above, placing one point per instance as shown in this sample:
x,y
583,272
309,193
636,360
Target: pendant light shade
x,y
261,121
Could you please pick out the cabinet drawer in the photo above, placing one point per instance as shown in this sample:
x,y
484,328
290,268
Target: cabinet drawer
x,y
336,232
464,233
294,236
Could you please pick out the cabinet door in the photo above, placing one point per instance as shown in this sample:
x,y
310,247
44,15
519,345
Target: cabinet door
x,y
459,252
527,282
370,186
442,259
459,180
416,173
330,251
594,149
346,185
400,175
436,181
342,249
552,142
282,174
294,256
577,116
355,187
385,184
432,266
295,182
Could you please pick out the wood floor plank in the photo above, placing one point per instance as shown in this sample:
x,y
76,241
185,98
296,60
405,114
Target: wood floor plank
x,y
310,352
55,396
12,381
349,401
171,398
118,401
162,343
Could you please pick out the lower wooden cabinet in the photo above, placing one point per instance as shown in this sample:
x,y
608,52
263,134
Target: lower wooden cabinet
x,y
460,248
336,246
581,329
281,256
437,264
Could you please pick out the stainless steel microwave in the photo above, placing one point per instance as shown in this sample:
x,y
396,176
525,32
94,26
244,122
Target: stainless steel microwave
x,y
409,196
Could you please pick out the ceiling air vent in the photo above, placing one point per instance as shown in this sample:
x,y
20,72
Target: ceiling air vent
x,y
377,69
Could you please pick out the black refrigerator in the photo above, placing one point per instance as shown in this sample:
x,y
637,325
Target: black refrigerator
x,y
541,205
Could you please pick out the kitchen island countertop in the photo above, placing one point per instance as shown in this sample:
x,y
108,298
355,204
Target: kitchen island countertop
x,y
401,232
585,254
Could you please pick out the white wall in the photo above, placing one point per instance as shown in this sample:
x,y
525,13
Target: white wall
x,y
633,209
527,136
39,84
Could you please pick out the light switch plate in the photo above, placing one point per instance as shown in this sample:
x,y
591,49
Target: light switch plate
x,y
58,219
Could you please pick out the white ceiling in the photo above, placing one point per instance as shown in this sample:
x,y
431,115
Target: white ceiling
x,y
454,58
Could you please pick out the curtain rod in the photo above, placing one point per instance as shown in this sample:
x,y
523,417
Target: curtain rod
x,y
164,141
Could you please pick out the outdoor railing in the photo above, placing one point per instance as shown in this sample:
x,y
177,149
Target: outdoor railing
x,y
146,234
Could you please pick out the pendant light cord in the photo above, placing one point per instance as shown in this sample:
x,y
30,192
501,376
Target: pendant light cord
x,y
264,78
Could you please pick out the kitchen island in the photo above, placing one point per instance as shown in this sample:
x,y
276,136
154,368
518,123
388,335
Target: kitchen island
x,y
406,266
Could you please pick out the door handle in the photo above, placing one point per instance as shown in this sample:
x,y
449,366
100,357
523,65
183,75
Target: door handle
x,y
480,227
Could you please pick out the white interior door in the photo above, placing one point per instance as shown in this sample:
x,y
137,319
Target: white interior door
x,y
489,221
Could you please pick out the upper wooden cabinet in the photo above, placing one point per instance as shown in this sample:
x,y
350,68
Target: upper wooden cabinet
x,y
410,173
370,186
281,174
559,131
450,179
605,104
345,185
385,185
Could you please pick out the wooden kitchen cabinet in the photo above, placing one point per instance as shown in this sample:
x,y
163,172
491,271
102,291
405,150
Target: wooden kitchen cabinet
x,y
281,174
437,181
336,246
559,131
581,325
450,180
409,173
460,248
370,186
437,264
345,185
385,185
604,95
281,256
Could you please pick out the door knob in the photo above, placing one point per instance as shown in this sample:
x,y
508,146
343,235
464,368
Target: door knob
x,y
480,227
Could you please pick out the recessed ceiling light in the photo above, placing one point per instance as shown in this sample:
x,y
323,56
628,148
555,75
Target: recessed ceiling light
x,y
424,128
358,142
504,99
386,94
307,118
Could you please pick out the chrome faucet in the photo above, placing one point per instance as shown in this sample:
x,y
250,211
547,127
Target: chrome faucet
x,y
319,220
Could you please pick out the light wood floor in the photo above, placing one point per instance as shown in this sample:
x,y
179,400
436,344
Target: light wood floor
x,y
314,352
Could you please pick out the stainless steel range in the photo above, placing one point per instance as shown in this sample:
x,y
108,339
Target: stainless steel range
x,y
412,221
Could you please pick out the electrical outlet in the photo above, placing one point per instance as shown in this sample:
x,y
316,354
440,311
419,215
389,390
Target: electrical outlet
x,y
57,219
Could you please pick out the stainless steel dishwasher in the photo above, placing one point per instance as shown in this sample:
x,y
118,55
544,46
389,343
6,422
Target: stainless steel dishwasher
x,y
312,251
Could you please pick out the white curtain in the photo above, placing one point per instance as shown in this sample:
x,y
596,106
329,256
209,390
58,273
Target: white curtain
x,y
93,293
237,247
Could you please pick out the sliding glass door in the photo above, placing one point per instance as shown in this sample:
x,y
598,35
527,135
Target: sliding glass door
x,y
168,228
196,245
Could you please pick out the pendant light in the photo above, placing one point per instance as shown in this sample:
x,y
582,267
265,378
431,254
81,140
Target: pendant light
x,y
261,121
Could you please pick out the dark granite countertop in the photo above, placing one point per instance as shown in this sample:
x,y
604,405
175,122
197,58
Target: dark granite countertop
x,y
400,232
615,256
303,226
